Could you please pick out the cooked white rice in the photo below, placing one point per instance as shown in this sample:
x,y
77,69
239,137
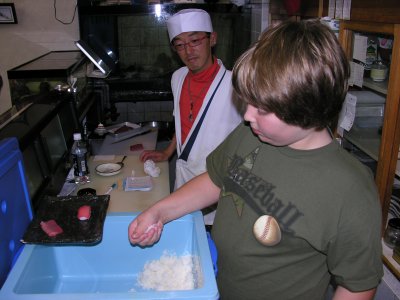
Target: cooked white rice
x,y
170,273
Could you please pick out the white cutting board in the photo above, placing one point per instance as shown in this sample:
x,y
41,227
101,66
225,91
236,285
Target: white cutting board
x,y
105,147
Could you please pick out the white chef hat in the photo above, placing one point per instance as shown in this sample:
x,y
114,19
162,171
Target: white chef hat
x,y
187,20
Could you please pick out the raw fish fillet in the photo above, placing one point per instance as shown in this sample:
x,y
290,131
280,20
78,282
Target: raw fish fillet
x,y
84,212
51,228
136,147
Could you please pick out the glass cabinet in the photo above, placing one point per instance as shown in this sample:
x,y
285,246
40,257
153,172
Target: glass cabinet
x,y
375,133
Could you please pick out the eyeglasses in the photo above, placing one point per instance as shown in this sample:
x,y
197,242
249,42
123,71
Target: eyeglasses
x,y
192,43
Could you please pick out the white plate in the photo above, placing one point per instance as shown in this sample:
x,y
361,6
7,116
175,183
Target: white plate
x,y
108,169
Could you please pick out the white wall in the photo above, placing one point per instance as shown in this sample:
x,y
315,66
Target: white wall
x,y
36,33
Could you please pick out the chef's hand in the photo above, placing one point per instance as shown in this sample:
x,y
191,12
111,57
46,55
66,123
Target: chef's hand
x,y
158,156
144,230
155,156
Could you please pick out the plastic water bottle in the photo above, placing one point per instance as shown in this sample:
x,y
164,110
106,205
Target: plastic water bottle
x,y
86,140
79,155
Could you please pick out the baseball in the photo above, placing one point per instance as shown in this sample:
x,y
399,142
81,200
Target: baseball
x,y
266,230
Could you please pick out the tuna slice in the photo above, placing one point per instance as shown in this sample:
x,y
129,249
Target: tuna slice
x,y
51,228
84,212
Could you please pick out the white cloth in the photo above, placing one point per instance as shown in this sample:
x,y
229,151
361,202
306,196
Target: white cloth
x,y
151,169
222,117
187,20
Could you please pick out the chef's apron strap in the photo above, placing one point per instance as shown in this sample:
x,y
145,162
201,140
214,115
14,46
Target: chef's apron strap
x,y
185,153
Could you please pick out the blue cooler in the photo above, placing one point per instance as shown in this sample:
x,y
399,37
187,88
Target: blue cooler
x,y
16,212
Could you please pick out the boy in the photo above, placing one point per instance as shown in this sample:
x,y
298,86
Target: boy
x,y
284,163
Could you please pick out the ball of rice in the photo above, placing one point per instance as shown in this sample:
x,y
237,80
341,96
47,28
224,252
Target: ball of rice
x,y
170,272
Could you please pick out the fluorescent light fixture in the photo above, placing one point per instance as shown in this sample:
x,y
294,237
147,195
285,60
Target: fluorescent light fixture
x,y
103,59
157,10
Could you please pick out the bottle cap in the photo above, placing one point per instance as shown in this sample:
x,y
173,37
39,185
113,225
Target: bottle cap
x,y
77,136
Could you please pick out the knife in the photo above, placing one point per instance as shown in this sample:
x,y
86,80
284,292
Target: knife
x,y
131,136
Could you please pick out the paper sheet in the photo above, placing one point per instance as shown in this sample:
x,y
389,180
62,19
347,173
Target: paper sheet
x,y
331,9
346,9
348,113
339,9
360,47
356,75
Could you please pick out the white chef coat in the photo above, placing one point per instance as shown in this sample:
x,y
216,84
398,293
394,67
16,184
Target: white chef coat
x,y
221,118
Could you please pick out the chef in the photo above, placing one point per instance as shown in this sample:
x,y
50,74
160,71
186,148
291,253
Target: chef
x,y
203,108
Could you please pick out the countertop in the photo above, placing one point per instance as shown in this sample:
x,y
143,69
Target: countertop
x,y
120,200
132,201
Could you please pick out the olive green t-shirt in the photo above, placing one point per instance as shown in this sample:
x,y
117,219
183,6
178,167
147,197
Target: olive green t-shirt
x,y
327,208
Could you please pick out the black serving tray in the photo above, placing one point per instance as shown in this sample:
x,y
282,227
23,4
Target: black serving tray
x,y
64,211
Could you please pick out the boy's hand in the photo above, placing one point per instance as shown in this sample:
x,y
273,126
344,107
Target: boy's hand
x,y
144,233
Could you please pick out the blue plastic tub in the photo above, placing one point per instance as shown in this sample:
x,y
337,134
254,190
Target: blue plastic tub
x,y
15,206
109,270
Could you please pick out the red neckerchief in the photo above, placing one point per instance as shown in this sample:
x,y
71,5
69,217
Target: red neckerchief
x,y
190,104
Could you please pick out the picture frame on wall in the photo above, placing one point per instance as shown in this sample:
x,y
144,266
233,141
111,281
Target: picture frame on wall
x,y
7,13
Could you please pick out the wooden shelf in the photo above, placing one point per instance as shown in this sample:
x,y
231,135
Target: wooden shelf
x,y
388,260
398,168
366,139
380,87
383,147
387,11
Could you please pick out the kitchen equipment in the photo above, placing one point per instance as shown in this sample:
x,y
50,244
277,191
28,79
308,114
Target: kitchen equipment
x,y
55,70
392,233
165,129
379,71
370,109
136,132
369,116
122,129
122,162
112,187
100,130
126,130
109,169
64,211
106,270
86,192
15,204
100,55
44,132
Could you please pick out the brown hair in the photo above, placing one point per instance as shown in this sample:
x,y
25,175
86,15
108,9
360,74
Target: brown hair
x,y
298,71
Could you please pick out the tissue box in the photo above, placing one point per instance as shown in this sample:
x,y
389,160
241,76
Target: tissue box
x,y
369,116
109,270
370,109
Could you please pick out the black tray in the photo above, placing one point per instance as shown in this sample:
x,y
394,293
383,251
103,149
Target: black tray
x,y
64,211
